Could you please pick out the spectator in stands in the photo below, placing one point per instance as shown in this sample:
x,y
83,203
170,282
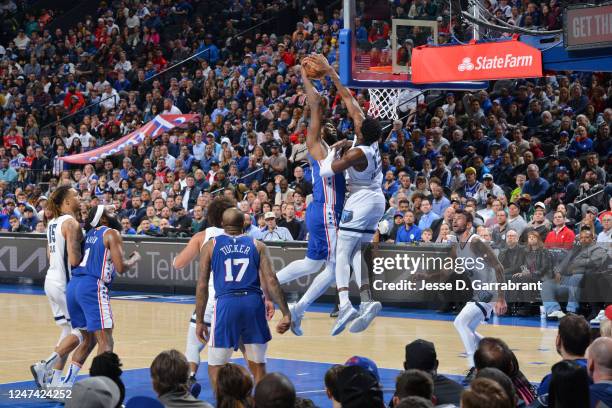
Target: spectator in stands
x,y
413,383
409,232
358,387
485,393
599,368
272,232
274,390
515,219
98,391
169,375
421,355
569,385
504,381
331,385
234,387
573,338
108,365
296,227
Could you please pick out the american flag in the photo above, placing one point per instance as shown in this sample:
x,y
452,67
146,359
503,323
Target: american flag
x,y
362,62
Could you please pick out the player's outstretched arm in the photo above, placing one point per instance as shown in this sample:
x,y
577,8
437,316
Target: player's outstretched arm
x,y
313,134
351,103
352,158
74,238
114,243
190,252
202,291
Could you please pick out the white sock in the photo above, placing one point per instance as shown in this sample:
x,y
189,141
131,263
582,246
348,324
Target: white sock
x,y
299,268
56,379
316,289
344,298
73,371
194,346
50,361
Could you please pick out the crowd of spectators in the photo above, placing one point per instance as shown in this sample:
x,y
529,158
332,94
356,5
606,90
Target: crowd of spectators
x,y
582,379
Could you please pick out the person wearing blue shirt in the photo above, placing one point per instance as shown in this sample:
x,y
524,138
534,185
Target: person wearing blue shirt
x,y
440,203
535,186
599,368
208,51
390,185
221,111
581,143
408,232
216,147
208,158
428,215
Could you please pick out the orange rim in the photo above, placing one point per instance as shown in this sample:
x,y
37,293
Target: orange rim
x,y
387,69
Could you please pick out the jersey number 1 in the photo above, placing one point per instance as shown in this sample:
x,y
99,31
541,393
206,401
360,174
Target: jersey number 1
x,y
242,262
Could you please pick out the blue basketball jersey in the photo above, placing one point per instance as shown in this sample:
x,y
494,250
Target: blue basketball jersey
x,y
235,265
328,190
96,257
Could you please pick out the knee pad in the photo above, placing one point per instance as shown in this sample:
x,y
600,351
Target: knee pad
x,y
256,353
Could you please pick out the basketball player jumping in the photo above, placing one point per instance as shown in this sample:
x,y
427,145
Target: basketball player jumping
x,y
87,293
364,207
242,274
64,237
476,311
215,217
323,214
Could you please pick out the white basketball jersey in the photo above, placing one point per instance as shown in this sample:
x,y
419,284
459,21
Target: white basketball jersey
x,y
59,267
371,178
209,233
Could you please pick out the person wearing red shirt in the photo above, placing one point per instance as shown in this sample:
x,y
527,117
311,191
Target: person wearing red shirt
x,y
74,100
13,138
560,236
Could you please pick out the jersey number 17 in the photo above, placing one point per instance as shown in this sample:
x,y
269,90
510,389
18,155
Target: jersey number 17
x,y
243,263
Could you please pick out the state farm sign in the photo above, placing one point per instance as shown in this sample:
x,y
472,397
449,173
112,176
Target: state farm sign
x,y
588,27
475,62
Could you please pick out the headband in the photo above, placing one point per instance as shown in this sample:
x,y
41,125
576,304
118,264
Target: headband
x,y
96,219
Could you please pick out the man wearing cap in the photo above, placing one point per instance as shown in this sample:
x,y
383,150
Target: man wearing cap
x,y
538,222
421,355
487,189
472,185
358,387
94,392
278,161
562,190
272,232
591,221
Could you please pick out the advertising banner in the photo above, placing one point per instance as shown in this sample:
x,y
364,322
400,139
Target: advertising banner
x,y
475,62
588,26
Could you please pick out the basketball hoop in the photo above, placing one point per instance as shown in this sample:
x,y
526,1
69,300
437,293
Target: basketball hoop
x,y
384,102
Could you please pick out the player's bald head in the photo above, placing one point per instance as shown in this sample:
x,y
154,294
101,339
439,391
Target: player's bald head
x,y
233,218
600,352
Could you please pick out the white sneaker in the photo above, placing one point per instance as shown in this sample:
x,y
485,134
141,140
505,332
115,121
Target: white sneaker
x,y
39,373
367,313
557,314
296,321
345,315
597,319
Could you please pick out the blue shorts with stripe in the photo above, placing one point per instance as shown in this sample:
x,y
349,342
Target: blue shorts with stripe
x,y
239,316
88,302
322,221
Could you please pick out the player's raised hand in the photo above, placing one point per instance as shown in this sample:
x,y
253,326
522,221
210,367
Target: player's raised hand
x,y
202,332
321,61
284,324
269,309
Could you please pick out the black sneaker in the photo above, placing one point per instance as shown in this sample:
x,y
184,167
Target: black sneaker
x,y
334,313
471,373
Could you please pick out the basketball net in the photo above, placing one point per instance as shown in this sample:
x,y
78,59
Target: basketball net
x,y
383,103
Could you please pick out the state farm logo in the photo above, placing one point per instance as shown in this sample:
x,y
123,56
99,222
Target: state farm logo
x,y
507,61
466,65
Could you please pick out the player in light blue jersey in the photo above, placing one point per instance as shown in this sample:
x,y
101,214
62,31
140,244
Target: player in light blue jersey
x,y
88,293
322,214
242,275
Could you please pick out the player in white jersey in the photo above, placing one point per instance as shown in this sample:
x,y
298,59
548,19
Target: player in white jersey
x,y
64,237
476,311
322,214
363,209
215,213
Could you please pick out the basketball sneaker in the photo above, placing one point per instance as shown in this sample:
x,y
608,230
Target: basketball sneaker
x,y
367,313
296,321
39,372
597,319
345,315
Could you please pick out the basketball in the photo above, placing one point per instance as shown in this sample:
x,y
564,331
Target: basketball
x,y
313,70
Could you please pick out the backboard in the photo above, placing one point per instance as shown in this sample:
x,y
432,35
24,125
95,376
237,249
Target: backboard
x,y
377,41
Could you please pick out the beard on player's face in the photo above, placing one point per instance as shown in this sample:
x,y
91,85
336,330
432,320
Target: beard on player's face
x,y
113,222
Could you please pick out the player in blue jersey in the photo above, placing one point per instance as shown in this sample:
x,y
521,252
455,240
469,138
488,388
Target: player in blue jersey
x,y
242,275
322,214
87,293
